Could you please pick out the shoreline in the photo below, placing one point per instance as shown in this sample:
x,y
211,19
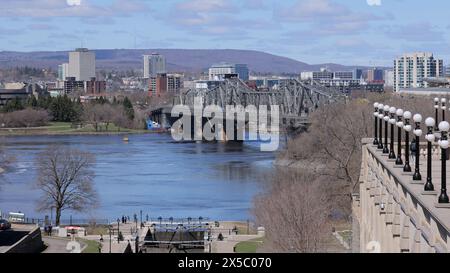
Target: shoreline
x,y
48,133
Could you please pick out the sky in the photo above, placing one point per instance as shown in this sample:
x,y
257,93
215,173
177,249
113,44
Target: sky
x,y
349,32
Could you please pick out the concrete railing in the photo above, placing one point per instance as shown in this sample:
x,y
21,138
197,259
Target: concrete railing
x,y
394,213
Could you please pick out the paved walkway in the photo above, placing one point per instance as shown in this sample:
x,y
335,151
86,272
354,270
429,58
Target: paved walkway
x,y
58,245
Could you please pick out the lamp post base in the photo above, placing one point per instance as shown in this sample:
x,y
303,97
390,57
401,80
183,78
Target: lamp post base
x,y
443,198
385,150
417,176
399,161
392,155
429,186
407,169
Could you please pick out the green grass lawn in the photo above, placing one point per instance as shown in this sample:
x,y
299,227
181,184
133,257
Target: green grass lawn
x,y
92,246
66,127
249,246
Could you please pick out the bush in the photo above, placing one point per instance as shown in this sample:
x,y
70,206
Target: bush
x,y
24,118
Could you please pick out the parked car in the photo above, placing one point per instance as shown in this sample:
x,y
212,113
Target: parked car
x,y
4,224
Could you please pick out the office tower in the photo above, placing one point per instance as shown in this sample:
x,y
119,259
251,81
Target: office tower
x,y
82,64
218,72
375,75
154,64
63,71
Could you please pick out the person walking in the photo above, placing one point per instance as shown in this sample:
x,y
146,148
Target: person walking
x,y
413,148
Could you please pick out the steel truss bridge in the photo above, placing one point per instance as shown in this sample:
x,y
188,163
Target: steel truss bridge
x,y
296,99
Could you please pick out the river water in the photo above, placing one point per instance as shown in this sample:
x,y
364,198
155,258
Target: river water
x,y
150,173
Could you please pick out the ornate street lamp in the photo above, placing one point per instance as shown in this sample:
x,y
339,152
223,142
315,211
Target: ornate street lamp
x,y
399,160
444,127
380,118
436,114
407,116
386,120
392,121
375,105
443,101
431,123
418,133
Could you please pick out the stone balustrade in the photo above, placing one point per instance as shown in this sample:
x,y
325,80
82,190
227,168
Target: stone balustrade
x,y
395,214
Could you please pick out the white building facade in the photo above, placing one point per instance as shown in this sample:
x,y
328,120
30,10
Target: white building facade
x,y
411,69
81,64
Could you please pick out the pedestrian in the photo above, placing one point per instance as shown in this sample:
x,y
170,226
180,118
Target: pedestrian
x,y
413,148
50,230
101,238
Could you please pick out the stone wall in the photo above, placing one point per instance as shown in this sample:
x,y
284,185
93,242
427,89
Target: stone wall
x,y
31,243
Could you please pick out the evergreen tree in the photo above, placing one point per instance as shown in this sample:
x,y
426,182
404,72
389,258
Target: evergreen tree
x,y
128,107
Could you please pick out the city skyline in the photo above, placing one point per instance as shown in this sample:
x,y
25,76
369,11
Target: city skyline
x,y
355,32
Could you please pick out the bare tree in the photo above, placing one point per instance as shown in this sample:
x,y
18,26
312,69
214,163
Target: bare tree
x,y
65,177
24,118
91,114
294,212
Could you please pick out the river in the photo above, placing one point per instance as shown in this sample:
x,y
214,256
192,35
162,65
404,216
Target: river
x,y
151,173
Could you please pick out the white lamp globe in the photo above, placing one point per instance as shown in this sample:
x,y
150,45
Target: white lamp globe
x,y
386,108
376,104
430,137
392,110
443,100
430,122
417,118
436,99
444,126
386,118
380,106
399,113
407,115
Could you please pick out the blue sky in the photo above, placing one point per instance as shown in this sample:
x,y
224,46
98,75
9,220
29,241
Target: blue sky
x,y
361,32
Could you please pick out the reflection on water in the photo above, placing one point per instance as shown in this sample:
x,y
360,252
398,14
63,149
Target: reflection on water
x,y
151,173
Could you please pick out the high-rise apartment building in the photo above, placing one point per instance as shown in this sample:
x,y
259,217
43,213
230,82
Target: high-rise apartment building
x,y
154,64
411,69
82,64
165,83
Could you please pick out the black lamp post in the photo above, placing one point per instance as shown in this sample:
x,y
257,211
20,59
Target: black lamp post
x,y
418,133
118,230
386,120
380,127
443,101
431,123
436,114
375,105
399,160
392,121
407,116
444,127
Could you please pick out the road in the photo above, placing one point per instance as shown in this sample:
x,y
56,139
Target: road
x,y
57,245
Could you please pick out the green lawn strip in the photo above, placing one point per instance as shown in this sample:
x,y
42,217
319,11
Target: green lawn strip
x,y
249,246
92,246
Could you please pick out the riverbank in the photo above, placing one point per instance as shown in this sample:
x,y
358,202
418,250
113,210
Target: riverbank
x,y
66,128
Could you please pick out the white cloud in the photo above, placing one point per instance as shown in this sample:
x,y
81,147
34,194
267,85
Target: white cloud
x,y
374,2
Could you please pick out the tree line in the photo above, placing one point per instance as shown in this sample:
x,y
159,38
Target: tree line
x,y
35,112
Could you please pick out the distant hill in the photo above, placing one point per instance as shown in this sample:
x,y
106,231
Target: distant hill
x,y
178,60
